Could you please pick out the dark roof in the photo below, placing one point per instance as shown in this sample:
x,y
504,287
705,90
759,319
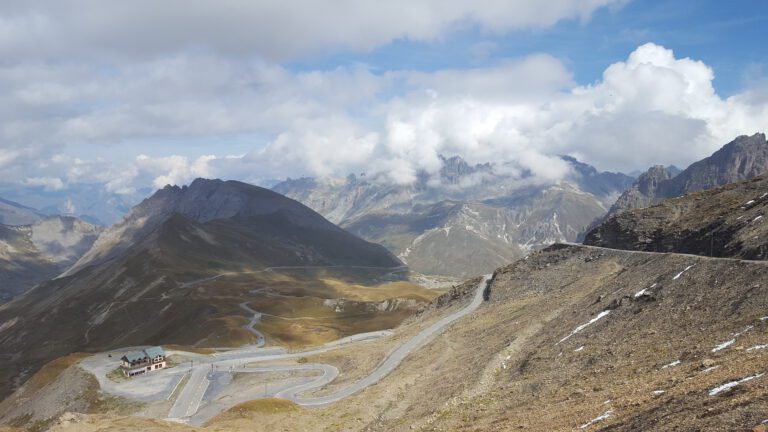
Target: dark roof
x,y
134,356
138,356
155,351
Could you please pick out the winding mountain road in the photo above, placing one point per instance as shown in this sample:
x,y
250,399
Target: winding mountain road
x,y
191,396
391,362
256,317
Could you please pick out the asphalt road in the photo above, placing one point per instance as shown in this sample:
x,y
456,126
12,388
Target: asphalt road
x,y
392,362
188,402
256,317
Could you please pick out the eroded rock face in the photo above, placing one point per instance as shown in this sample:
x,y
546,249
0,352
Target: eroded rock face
x,y
64,239
723,222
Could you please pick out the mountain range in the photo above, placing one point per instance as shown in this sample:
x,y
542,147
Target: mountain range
x,y
13,213
137,283
177,268
467,219
573,337
91,202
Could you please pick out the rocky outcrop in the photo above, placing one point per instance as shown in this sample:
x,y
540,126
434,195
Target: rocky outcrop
x,y
741,159
643,192
729,221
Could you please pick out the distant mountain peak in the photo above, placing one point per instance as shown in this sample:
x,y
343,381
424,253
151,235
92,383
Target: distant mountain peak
x,y
455,168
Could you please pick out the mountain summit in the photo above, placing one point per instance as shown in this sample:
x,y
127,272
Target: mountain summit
x,y
232,205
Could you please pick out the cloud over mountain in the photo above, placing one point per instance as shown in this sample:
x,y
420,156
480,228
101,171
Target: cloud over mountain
x,y
166,93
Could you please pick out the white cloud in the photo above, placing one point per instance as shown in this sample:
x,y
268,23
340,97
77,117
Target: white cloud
x,y
174,170
650,108
47,183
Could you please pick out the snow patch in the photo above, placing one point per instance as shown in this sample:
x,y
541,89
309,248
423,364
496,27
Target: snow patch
x,y
579,349
723,345
658,392
583,326
673,364
750,202
710,369
757,218
645,290
729,385
677,276
597,419
757,347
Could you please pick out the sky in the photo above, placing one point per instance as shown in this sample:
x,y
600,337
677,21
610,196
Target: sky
x,y
132,96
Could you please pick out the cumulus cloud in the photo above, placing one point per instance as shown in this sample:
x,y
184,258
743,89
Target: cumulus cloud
x,y
652,107
94,74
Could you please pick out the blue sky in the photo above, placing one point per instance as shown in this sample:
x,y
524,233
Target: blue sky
x,y
727,35
140,94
